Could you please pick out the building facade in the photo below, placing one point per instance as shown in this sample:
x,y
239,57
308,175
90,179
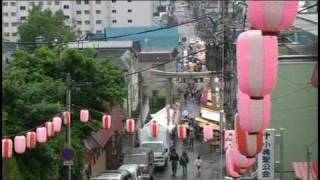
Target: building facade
x,y
83,16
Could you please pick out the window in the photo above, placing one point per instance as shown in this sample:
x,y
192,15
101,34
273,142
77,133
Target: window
x,y
79,22
87,22
40,3
22,8
14,34
98,31
23,18
129,20
5,4
114,11
78,12
12,3
56,2
129,10
98,12
31,3
6,24
114,21
5,14
86,12
78,1
113,1
129,0
13,14
86,1
66,7
98,21
98,1
14,24
66,17
49,2
7,34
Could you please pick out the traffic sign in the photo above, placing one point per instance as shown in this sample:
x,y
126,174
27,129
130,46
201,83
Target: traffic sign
x,y
67,163
68,154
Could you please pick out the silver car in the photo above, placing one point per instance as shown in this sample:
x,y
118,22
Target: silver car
x,y
118,174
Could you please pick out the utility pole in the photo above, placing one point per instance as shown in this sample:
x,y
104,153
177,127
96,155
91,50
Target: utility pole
x,y
39,40
68,128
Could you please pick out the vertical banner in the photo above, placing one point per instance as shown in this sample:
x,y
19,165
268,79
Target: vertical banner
x,y
266,157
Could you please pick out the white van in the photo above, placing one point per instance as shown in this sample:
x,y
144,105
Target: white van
x,y
133,169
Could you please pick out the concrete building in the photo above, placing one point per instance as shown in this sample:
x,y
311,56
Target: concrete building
x,y
83,16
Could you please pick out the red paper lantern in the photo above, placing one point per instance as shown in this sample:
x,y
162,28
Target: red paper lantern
x,y
272,16
208,132
19,144
238,159
50,129
248,144
84,115
257,59
106,121
6,148
57,124
130,126
242,171
254,115
154,129
182,132
31,140
41,135
66,118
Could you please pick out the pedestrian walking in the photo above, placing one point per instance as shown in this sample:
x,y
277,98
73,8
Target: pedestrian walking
x,y
174,158
184,160
198,163
191,138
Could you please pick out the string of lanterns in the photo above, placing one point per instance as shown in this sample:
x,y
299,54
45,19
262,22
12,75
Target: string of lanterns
x,y
47,130
257,61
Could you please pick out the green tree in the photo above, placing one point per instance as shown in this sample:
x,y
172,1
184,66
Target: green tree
x,y
34,92
47,24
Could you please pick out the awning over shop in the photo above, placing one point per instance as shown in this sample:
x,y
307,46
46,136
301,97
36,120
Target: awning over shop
x,y
301,170
203,122
210,114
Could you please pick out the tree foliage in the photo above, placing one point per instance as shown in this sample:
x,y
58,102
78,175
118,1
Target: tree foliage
x,y
47,24
34,92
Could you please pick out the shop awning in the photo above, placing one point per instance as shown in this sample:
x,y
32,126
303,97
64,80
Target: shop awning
x,y
301,170
203,122
210,114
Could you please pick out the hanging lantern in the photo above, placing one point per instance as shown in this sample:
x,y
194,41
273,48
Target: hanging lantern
x,y
254,115
19,144
130,126
66,118
50,129
106,121
230,165
248,144
182,132
257,59
208,132
84,115
154,129
57,124
228,135
272,16
41,135
242,171
31,140
6,148
238,159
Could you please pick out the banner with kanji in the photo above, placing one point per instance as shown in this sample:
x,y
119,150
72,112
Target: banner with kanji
x,y
266,157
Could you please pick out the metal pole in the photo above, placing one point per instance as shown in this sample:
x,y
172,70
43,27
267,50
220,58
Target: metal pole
x,y
281,153
68,104
308,161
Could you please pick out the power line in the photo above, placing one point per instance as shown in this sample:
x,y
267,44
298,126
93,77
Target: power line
x,y
308,7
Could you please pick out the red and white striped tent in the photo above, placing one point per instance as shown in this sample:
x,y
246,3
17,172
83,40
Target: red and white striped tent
x,y
301,170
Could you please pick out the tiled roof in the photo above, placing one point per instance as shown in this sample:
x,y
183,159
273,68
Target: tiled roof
x,y
154,56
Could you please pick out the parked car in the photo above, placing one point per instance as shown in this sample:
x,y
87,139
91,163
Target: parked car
x,y
144,158
118,174
133,169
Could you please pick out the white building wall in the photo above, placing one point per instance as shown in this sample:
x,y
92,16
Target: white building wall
x,y
83,16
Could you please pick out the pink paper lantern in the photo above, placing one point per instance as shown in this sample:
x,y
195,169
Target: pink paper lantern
x,y
31,140
230,165
41,135
238,159
248,144
208,132
19,144
154,128
228,135
242,171
84,115
106,121
257,59
254,115
130,124
50,129
6,148
57,121
272,16
182,132
66,118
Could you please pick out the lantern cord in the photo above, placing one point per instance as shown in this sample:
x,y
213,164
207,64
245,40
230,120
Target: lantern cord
x,y
32,129
308,7
94,110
